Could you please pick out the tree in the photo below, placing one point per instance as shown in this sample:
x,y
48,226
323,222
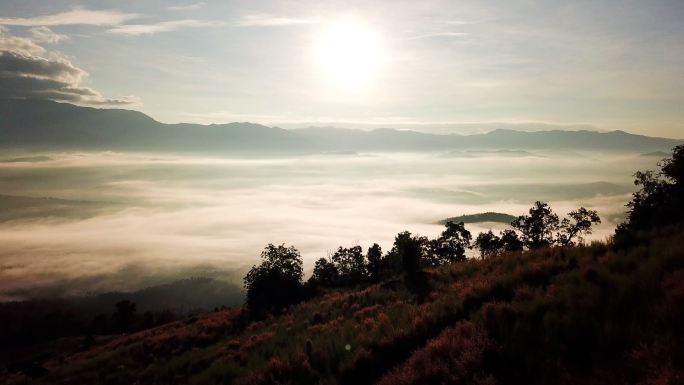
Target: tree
x,y
409,250
538,227
510,242
325,273
579,224
374,257
277,282
673,168
124,314
489,244
659,199
451,245
350,264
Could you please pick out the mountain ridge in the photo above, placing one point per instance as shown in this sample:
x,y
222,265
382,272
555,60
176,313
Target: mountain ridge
x,y
30,124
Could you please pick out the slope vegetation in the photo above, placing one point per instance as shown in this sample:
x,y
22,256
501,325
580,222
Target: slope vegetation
x,y
587,314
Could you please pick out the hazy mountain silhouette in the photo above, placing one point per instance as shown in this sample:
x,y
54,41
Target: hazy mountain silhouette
x,y
32,124
47,124
480,218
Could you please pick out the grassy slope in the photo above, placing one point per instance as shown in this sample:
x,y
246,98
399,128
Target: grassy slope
x,y
583,315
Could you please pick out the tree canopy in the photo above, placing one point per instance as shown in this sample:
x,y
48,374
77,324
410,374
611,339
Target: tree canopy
x,y
277,282
659,198
409,250
538,227
350,263
375,262
578,225
451,245
543,228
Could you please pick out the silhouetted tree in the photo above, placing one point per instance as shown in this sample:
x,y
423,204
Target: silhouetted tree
x,y
451,245
578,224
276,283
538,227
350,264
510,241
409,250
489,244
374,257
325,273
124,314
673,167
659,200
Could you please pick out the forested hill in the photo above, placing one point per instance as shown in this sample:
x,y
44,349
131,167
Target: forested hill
x,y
481,217
32,124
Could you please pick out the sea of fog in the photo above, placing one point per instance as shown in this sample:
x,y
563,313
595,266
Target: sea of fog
x,y
74,223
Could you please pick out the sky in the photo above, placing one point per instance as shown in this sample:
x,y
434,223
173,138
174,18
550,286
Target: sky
x,y
447,66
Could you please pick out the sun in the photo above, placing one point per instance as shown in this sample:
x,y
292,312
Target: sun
x,y
347,53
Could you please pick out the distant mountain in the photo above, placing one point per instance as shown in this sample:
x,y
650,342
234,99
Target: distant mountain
x,y
508,140
181,295
41,124
490,153
481,217
657,154
47,124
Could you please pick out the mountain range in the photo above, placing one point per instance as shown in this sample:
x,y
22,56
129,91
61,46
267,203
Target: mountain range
x,y
42,124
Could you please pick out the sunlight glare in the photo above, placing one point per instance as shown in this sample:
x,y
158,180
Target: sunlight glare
x,y
347,53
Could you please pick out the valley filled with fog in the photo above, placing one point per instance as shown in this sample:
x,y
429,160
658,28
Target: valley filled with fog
x,y
85,222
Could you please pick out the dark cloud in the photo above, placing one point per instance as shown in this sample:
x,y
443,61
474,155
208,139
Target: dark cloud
x,y
18,64
27,70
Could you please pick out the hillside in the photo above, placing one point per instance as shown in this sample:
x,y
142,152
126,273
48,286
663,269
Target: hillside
x,y
42,124
579,315
41,321
481,217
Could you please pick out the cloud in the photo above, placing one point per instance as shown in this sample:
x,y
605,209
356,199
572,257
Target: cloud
x,y
46,35
29,66
21,45
266,20
164,26
73,17
28,70
187,7
440,34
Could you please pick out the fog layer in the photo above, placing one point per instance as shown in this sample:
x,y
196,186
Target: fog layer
x,y
73,223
